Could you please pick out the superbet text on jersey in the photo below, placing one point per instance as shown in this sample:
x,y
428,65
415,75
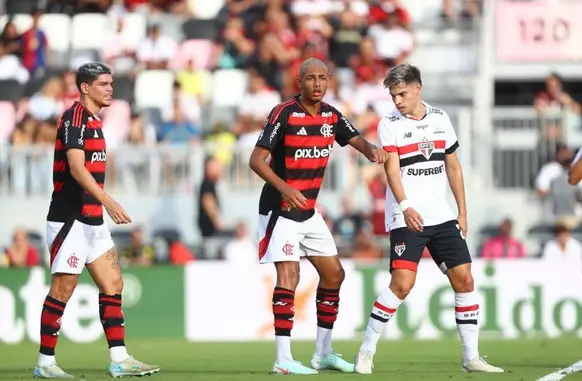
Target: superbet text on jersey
x,y
421,145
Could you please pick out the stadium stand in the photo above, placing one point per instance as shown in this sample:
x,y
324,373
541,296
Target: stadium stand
x,y
215,69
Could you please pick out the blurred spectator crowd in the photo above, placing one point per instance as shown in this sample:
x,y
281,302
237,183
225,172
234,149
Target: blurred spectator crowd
x,y
208,72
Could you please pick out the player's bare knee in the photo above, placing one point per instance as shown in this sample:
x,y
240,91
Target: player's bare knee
x,y
287,275
461,279
63,286
401,288
463,283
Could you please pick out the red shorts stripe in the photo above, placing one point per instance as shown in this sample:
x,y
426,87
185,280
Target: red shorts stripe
x,y
474,307
384,308
404,265
264,244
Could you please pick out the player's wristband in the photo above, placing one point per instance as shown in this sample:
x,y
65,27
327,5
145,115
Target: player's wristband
x,y
404,204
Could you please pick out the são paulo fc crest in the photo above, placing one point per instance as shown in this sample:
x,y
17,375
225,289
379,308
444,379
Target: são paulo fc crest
x,y
399,248
426,148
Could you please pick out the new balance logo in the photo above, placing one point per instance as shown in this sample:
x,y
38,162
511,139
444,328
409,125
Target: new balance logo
x,y
407,135
302,131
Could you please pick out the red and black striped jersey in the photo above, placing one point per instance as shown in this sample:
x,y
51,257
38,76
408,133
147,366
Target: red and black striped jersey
x,y
78,129
300,146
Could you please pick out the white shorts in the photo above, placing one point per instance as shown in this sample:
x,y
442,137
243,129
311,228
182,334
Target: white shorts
x,y
282,239
72,245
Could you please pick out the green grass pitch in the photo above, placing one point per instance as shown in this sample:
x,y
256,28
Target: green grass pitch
x,y
523,360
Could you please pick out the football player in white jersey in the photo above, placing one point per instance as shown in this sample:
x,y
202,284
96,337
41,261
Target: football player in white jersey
x,y
422,163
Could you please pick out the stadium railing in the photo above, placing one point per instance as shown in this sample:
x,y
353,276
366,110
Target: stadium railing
x,y
27,170
513,143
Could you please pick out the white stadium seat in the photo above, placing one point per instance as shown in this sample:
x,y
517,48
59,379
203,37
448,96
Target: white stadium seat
x,y
228,87
7,121
154,89
57,28
89,31
22,22
205,9
134,28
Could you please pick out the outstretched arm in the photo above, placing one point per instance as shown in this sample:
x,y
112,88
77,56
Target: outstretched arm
x,y
369,150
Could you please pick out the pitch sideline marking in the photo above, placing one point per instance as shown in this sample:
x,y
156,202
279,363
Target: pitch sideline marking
x,y
561,373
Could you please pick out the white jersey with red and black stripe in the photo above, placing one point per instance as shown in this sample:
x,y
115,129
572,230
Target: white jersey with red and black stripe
x,y
422,146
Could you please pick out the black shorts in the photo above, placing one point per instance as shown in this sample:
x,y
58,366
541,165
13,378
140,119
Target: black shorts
x,y
445,242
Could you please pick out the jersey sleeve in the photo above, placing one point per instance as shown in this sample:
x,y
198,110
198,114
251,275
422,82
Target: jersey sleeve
x,y
344,131
451,143
387,136
272,132
73,130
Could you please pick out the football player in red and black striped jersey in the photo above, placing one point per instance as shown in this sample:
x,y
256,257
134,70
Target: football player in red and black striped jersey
x,y
299,136
76,233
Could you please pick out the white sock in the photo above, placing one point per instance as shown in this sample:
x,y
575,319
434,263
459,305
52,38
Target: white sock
x,y
384,308
467,318
46,360
283,349
323,342
118,354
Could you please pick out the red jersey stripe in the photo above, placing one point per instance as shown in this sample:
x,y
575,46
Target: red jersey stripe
x,y
308,141
410,148
78,115
96,166
278,109
291,163
306,184
59,166
95,145
59,145
93,124
92,210
390,148
57,186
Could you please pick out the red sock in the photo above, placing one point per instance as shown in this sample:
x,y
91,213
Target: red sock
x,y
327,302
50,324
112,319
283,311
